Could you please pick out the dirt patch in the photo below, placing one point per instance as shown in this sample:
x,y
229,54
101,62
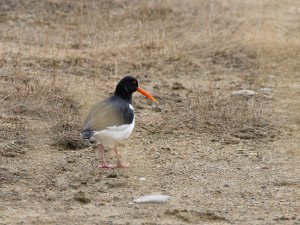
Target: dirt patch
x,y
68,136
196,217
6,177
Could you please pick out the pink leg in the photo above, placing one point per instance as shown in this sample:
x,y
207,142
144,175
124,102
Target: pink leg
x,y
119,163
104,164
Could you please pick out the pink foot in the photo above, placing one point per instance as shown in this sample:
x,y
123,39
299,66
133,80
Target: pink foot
x,y
107,166
121,165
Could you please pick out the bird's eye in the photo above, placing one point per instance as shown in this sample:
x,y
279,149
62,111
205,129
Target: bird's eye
x,y
134,82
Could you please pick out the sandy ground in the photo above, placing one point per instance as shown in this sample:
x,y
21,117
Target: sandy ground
x,y
235,175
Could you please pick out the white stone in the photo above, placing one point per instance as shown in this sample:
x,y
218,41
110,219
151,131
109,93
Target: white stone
x,y
152,199
266,90
245,93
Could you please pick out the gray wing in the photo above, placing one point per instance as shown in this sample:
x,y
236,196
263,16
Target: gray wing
x,y
101,116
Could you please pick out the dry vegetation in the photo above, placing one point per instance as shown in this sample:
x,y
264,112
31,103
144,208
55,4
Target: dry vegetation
x,y
58,57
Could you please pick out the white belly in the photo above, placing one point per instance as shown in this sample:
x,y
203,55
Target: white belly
x,y
114,134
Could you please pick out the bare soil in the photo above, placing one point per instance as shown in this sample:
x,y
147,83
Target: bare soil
x,y
223,159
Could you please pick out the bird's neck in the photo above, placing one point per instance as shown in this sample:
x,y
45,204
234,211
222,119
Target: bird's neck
x,y
126,96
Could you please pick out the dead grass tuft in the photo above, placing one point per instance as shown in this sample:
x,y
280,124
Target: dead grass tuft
x,y
235,59
47,99
40,97
244,117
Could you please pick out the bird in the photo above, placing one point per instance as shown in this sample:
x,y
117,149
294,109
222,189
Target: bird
x,y
112,119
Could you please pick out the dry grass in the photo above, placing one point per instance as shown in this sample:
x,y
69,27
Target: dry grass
x,y
49,46
46,99
216,112
39,97
240,116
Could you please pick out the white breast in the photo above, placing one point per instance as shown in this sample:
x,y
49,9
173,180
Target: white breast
x,y
114,134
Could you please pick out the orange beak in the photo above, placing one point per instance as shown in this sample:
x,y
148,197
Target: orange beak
x,y
143,92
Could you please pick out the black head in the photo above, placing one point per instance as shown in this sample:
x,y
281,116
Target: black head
x,y
126,87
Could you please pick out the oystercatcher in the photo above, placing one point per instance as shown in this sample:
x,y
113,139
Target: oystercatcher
x,y
112,120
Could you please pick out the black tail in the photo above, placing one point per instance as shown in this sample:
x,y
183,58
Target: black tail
x,y
86,134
